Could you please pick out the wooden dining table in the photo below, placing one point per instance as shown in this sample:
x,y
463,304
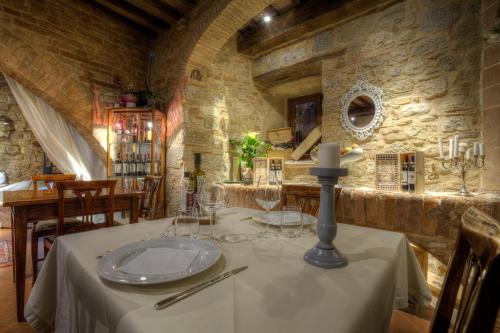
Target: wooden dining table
x,y
29,206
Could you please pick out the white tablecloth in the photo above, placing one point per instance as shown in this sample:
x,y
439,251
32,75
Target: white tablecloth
x,y
279,292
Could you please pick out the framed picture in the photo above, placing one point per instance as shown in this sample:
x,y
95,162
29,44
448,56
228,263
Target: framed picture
x,y
304,114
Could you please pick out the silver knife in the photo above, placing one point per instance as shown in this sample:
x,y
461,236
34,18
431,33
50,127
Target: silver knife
x,y
193,290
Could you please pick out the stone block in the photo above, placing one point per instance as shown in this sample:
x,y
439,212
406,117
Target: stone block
x,y
414,109
440,18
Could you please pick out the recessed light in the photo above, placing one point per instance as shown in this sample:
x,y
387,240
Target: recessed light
x,y
267,18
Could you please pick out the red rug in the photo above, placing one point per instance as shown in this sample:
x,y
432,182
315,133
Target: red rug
x,y
5,253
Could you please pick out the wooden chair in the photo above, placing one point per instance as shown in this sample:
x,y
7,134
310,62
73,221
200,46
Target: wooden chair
x,y
149,202
47,227
473,278
86,193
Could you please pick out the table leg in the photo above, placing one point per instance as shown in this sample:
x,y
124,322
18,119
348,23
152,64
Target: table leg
x,y
13,245
19,225
134,210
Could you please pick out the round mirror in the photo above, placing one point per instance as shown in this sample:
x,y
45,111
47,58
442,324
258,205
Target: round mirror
x,y
361,111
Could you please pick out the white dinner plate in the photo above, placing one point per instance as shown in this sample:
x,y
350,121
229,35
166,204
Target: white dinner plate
x,y
110,266
275,219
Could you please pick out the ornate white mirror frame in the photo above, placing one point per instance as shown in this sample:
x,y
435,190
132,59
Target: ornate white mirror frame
x,y
362,88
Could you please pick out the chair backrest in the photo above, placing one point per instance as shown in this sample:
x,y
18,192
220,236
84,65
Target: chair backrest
x,y
87,193
151,187
49,180
474,273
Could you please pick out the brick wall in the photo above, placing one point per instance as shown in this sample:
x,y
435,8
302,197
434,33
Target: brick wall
x,y
61,50
490,91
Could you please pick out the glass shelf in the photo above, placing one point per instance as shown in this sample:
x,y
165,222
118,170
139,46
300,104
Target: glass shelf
x,y
134,137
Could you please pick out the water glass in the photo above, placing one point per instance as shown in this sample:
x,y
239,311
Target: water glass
x,y
292,222
187,223
267,196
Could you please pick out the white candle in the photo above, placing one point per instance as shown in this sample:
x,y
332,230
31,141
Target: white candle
x,y
455,147
440,147
462,147
451,148
329,155
476,148
481,149
467,154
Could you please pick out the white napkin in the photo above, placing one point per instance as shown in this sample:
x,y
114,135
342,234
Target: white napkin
x,y
160,261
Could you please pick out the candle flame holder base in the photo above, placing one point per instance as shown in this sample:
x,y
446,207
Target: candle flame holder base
x,y
462,164
324,254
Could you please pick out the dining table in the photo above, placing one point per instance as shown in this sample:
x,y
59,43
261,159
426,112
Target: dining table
x,y
279,292
36,205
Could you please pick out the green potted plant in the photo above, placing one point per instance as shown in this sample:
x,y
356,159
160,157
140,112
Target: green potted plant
x,y
249,147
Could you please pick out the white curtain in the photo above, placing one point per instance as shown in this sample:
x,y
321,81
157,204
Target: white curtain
x,y
62,143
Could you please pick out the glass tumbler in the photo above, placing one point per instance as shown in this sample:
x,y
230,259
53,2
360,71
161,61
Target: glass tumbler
x,y
292,222
187,223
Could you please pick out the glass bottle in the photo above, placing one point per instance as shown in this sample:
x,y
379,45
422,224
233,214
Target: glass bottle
x,y
140,165
135,132
157,163
404,175
147,165
133,166
411,174
279,172
118,165
126,166
198,173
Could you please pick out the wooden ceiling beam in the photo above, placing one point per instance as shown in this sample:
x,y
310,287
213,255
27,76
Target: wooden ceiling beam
x,y
158,9
303,20
184,6
135,14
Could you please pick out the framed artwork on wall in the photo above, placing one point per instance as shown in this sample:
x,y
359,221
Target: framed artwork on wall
x,y
304,114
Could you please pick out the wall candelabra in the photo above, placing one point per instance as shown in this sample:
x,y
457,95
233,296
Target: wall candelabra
x,y
462,157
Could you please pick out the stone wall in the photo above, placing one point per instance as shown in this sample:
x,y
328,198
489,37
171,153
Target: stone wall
x,y
21,154
224,104
61,50
425,55
490,91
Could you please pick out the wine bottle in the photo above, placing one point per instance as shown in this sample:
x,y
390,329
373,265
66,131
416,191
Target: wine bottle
x,y
411,174
147,165
279,172
157,165
135,132
187,192
118,166
119,132
126,166
272,173
197,173
133,166
149,132
140,165
404,175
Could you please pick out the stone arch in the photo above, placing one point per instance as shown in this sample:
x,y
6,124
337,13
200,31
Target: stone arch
x,y
49,78
235,15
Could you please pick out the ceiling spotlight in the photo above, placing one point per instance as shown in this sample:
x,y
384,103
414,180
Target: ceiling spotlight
x,y
267,18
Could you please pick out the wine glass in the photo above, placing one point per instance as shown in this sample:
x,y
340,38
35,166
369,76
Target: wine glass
x,y
267,196
211,199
